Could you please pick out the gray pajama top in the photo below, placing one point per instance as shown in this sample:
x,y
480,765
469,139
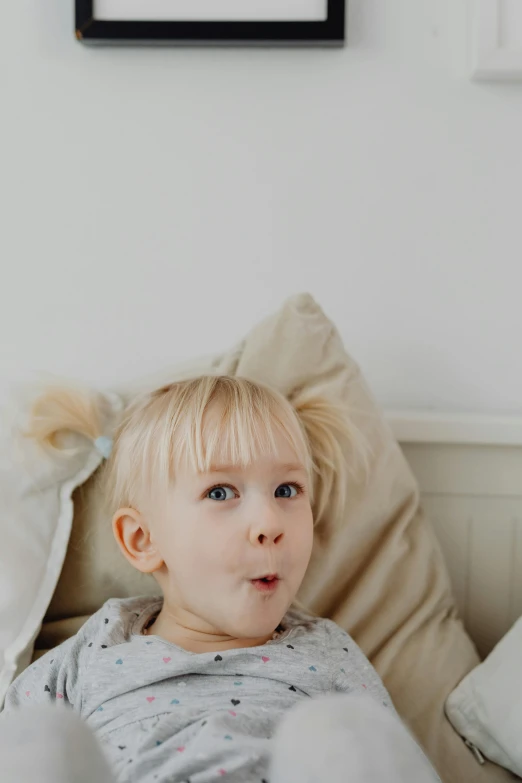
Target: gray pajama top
x,y
164,714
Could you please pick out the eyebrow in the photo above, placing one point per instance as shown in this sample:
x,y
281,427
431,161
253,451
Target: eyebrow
x,y
287,467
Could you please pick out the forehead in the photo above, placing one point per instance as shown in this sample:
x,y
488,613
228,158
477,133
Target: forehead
x,y
240,438
276,453
284,461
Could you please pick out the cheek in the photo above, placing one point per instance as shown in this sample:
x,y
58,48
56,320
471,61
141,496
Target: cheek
x,y
303,534
200,548
309,538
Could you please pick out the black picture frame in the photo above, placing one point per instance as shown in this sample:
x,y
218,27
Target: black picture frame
x,y
305,33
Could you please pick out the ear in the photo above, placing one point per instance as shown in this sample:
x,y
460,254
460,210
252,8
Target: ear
x,y
134,539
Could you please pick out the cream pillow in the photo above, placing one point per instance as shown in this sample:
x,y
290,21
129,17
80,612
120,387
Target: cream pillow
x,y
36,516
381,576
486,707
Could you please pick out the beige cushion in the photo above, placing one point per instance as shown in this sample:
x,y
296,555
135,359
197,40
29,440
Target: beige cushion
x,y
381,576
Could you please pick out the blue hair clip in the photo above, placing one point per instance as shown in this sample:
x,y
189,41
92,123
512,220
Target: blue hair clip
x,y
104,446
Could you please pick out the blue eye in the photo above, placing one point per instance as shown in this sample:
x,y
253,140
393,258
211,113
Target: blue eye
x,y
221,493
286,491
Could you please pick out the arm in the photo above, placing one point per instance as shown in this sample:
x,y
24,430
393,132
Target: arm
x,y
351,671
59,674
52,678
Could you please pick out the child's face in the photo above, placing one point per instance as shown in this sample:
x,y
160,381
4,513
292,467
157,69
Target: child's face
x,y
226,529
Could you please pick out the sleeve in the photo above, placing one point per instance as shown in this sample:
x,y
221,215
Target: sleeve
x,y
53,677
58,675
351,671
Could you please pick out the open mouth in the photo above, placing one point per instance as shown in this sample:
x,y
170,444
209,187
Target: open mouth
x,y
266,583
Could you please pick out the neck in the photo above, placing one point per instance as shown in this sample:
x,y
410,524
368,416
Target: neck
x,y
180,627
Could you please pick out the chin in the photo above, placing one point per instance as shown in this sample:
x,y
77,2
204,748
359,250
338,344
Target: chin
x,y
261,620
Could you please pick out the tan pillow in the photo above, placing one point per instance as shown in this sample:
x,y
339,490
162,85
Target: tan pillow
x,y
381,576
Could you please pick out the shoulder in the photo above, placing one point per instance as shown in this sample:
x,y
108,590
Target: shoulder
x,y
338,635
125,608
298,617
340,643
337,642
317,630
118,617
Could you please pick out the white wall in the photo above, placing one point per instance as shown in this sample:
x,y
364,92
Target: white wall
x,y
156,203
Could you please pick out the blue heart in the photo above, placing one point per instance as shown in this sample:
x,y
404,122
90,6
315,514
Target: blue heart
x,y
312,668
238,683
119,660
174,701
227,736
343,671
158,742
99,709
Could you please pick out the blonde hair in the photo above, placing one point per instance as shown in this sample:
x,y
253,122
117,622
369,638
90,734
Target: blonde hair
x,y
204,421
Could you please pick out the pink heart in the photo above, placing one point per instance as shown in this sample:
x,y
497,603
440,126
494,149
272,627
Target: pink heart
x,y
233,713
59,695
180,750
150,698
167,660
28,693
265,659
222,771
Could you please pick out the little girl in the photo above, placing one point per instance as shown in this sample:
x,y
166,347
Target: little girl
x,y
214,485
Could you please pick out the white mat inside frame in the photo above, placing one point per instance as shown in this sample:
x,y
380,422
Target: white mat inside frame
x,y
212,10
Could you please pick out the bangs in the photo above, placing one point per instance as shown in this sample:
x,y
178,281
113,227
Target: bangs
x,y
199,424
218,420
235,422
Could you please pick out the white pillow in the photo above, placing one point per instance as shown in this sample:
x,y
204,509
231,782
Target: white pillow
x,y
36,513
486,707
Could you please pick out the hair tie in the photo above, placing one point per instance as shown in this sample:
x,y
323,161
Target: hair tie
x,y
104,446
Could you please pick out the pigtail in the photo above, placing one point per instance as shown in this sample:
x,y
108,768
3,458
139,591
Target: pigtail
x,y
62,410
339,453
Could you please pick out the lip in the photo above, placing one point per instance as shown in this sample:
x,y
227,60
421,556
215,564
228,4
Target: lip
x,y
266,583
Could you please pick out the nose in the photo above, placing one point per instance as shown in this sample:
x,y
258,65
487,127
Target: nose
x,y
267,529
